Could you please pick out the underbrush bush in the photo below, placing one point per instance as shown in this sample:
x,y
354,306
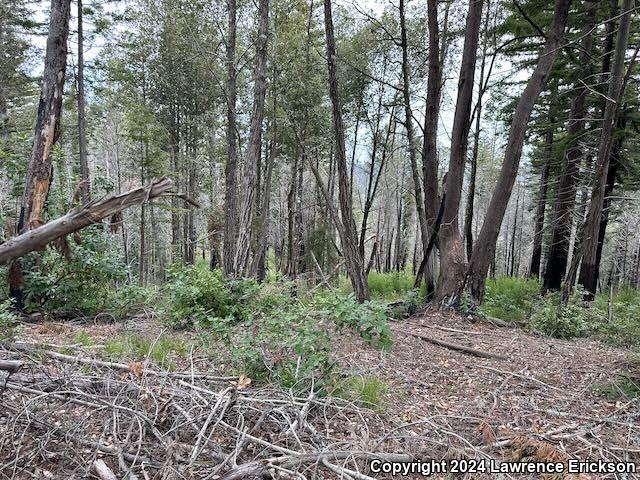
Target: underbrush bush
x,y
369,319
510,299
624,327
8,320
269,334
576,319
92,279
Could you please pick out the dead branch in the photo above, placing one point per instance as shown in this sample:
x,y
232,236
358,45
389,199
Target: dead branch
x,y
454,346
79,218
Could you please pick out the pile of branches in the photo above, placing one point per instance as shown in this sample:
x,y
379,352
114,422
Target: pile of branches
x,y
72,415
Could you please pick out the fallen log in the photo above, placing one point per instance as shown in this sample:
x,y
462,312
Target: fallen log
x,y
11,366
79,218
102,471
454,346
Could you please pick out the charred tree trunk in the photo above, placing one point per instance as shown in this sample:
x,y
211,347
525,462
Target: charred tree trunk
x,y
589,246
243,245
541,203
452,263
614,164
562,221
47,130
484,249
347,228
230,170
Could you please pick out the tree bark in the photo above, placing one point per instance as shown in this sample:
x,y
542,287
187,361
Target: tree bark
x,y
231,167
79,218
589,235
243,245
484,249
452,263
541,203
47,130
82,120
562,221
347,228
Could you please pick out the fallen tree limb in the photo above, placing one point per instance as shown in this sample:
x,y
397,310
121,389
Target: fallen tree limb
x,y
79,218
11,366
25,347
454,346
102,471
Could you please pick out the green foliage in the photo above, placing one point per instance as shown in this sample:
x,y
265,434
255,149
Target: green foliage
x,y
624,328
162,350
576,319
392,285
83,338
195,296
93,279
510,299
369,319
8,321
366,390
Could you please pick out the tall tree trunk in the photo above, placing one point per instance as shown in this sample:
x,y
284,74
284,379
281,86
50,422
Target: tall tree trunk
x,y
614,164
541,203
82,121
411,141
589,245
452,262
484,249
47,130
243,245
347,227
468,214
562,221
230,170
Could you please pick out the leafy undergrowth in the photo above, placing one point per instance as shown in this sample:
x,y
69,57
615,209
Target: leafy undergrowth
x,y
267,333
519,300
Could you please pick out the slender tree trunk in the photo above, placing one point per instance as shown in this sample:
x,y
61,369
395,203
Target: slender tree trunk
x,y
347,228
82,121
562,221
468,214
230,171
452,262
589,246
408,123
614,164
243,245
484,249
47,130
541,203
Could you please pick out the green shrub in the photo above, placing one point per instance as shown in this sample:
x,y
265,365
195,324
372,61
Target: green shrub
x,y
92,279
510,299
195,296
624,328
366,390
8,321
576,319
369,319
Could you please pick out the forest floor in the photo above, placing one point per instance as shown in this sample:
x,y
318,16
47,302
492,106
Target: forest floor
x,y
544,400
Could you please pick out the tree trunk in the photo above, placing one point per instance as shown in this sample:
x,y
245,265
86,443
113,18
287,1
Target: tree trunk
x,y
230,170
589,235
541,203
82,121
47,130
484,249
452,262
468,214
243,245
347,228
562,221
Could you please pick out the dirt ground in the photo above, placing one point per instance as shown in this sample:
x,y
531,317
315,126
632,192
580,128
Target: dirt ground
x,y
543,400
